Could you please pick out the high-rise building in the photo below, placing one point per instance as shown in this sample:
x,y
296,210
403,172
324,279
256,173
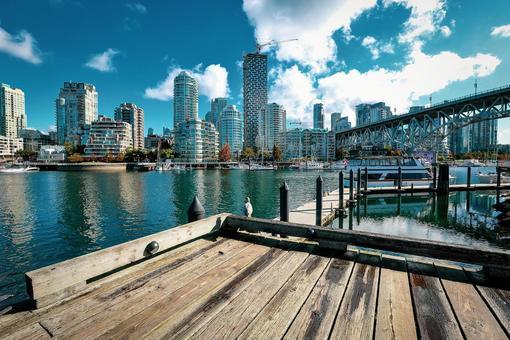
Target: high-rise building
x,y
196,141
108,137
316,144
132,114
150,131
318,116
12,111
254,94
273,120
9,146
339,123
185,98
371,113
76,109
167,132
230,128
484,135
217,105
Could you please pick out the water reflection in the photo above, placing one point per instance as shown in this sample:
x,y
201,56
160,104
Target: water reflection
x,y
461,217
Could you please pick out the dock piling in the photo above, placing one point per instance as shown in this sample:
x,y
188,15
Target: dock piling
x,y
284,202
318,202
434,177
195,211
365,186
468,184
358,183
498,178
443,185
351,187
399,179
341,190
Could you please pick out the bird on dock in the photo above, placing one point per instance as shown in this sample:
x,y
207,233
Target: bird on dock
x,y
248,209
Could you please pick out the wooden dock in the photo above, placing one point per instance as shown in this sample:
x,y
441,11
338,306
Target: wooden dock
x,y
211,279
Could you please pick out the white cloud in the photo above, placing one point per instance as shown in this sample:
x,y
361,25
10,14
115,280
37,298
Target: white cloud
x,y
425,18
21,45
501,31
446,31
103,61
376,48
312,22
422,75
137,7
212,81
294,90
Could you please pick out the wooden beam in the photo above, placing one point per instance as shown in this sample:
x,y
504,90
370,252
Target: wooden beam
x,y
490,258
56,282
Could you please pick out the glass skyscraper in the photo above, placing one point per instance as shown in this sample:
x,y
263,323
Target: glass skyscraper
x,y
254,94
318,116
273,120
230,127
185,98
76,109
217,105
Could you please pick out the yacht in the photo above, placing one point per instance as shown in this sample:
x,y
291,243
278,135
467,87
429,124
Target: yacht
x,y
240,166
472,163
383,171
16,169
492,178
313,165
258,166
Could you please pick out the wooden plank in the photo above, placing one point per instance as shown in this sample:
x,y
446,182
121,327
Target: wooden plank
x,y
187,321
52,283
112,306
134,326
238,314
32,331
355,319
432,309
67,308
316,317
496,295
491,258
274,320
395,316
476,320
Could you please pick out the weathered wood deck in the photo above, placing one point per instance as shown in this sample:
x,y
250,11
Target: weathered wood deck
x,y
240,285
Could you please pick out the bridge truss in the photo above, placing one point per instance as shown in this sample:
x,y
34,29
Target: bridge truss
x,y
427,129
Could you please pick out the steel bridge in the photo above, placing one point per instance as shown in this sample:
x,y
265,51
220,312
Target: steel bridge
x,y
428,128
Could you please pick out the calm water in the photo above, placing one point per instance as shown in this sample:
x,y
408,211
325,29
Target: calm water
x,y
48,217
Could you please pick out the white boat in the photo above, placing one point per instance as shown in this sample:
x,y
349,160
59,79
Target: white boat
x,y
15,169
313,165
472,163
258,166
338,165
240,166
492,178
383,171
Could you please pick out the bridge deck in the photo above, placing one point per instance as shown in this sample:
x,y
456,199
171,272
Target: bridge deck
x,y
246,286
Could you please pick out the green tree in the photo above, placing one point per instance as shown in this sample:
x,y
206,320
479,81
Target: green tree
x,y
277,153
69,148
75,158
166,153
247,153
225,155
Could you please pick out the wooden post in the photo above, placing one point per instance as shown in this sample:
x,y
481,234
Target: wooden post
x,y
318,202
399,179
434,177
284,202
366,179
195,211
341,190
498,178
468,176
351,186
358,183
443,185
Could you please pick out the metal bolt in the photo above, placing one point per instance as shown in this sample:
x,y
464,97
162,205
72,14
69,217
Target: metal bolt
x,y
152,248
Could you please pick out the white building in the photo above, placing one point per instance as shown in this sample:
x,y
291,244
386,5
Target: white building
x,y
196,141
76,109
9,146
132,114
316,144
12,111
230,128
51,153
108,137
33,139
273,121
185,98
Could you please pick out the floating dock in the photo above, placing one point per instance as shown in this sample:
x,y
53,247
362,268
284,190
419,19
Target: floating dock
x,y
226,277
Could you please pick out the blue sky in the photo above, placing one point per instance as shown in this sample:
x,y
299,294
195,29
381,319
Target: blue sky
x,y
397,51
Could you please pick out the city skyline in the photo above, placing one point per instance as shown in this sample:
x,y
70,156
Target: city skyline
x,y
376,48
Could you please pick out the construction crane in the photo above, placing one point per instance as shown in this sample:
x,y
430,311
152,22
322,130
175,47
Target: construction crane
x,y
259,47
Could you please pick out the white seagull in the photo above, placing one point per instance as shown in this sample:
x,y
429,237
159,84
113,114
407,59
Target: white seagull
x,y
248,209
